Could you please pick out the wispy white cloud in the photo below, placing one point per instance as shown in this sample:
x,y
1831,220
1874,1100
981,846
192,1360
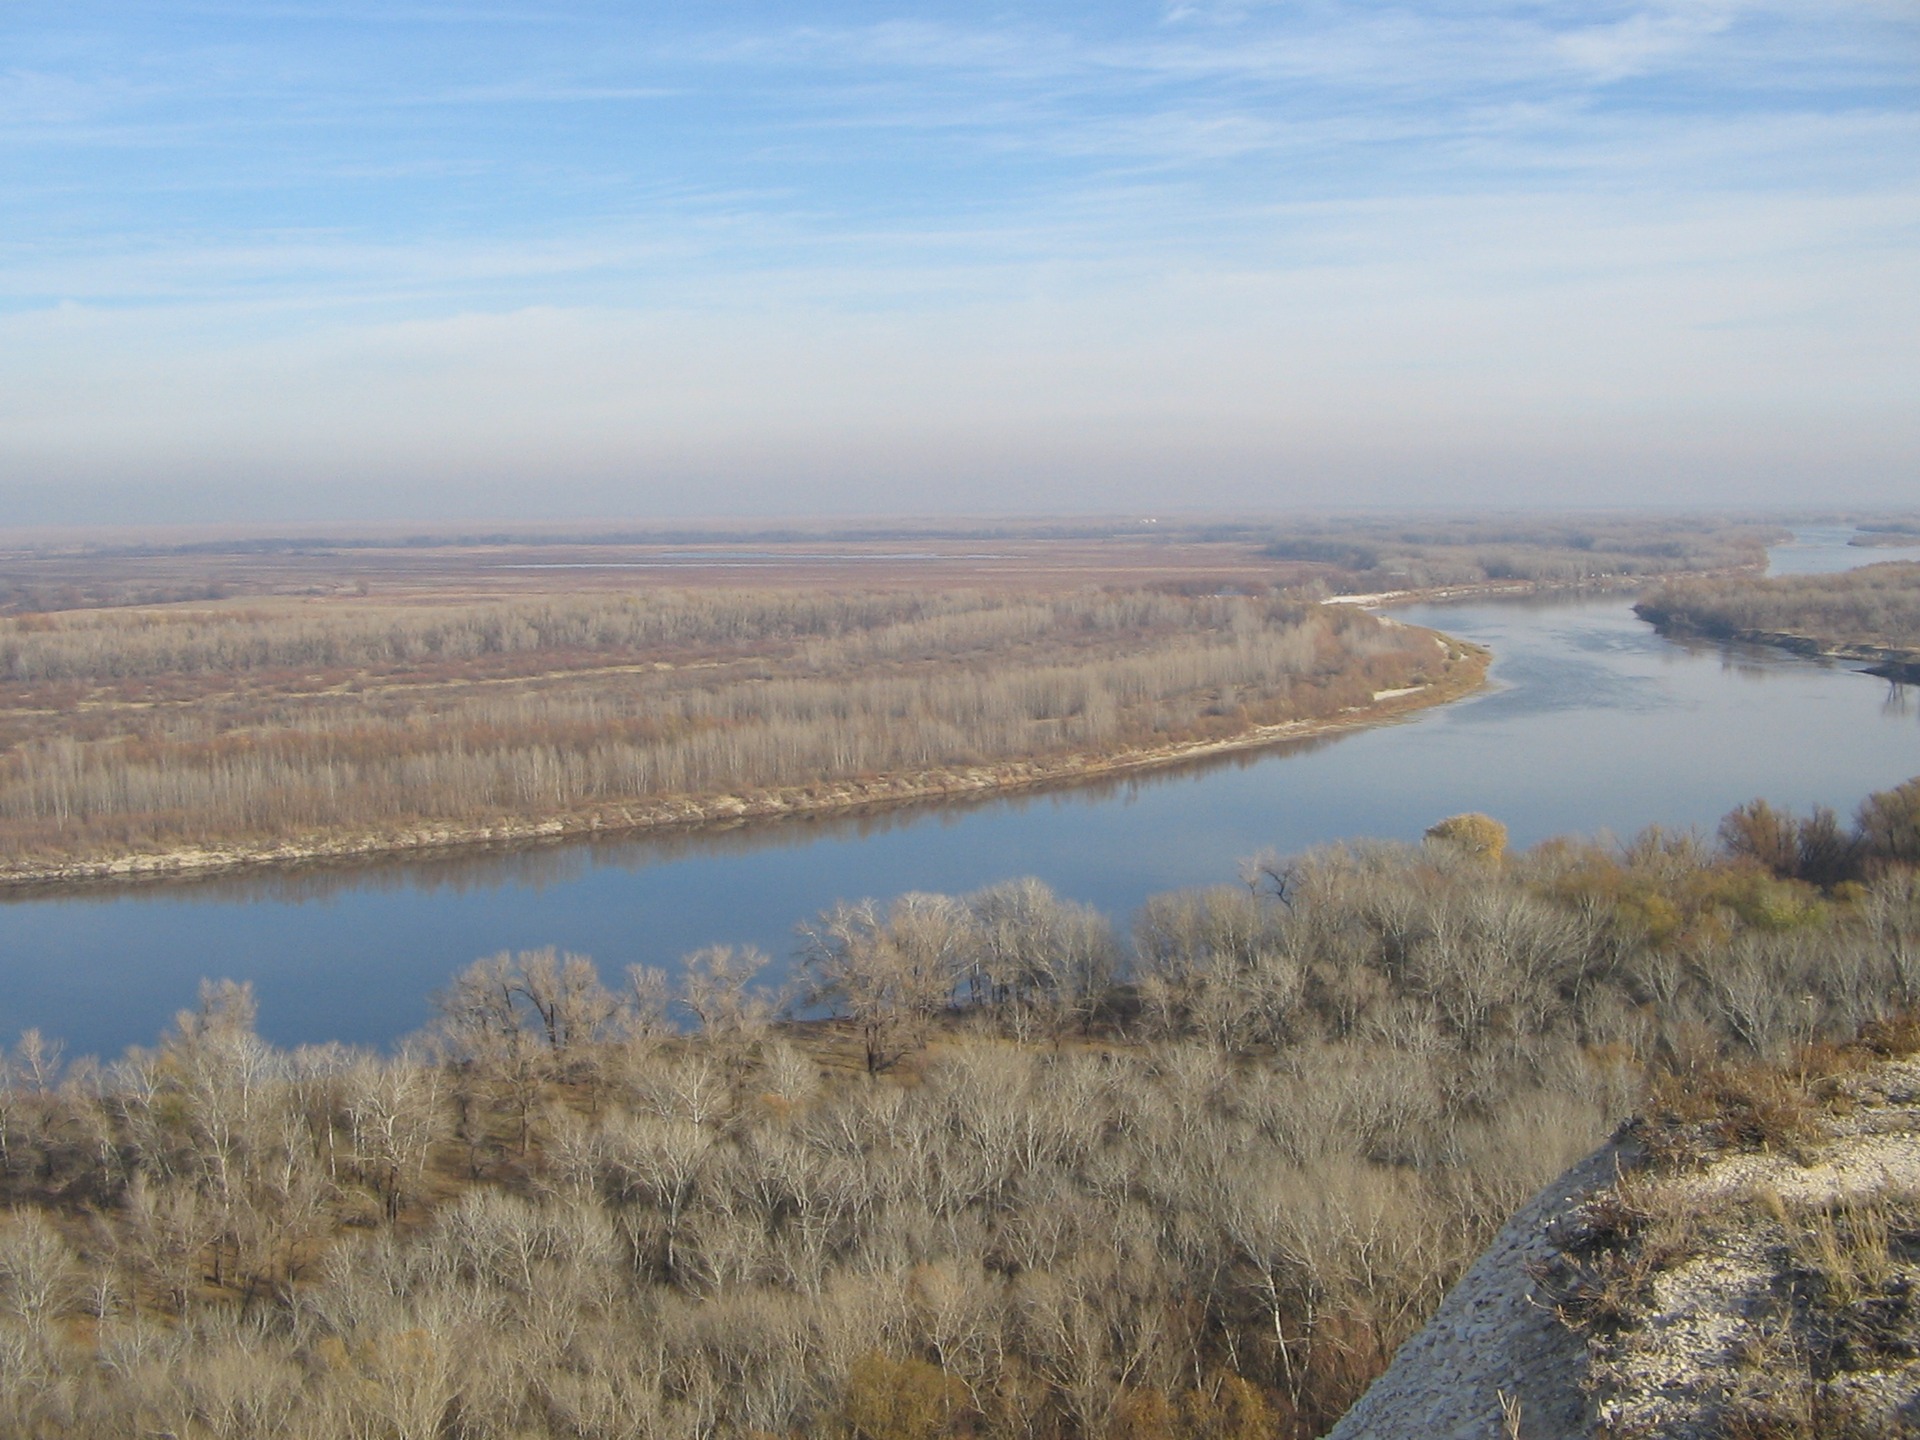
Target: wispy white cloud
x,y
1646,39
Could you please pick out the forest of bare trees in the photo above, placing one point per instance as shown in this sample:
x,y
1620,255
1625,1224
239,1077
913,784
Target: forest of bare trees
x,y
1021,1179
143,730
1876,605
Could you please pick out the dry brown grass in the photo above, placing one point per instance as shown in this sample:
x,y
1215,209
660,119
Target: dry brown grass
x,y
1693,1118
1615,1246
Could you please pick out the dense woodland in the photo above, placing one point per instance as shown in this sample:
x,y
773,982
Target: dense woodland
x,y
145,729
1876,605
1028,1182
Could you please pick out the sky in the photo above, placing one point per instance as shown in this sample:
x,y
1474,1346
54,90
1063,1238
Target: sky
x,y
405,259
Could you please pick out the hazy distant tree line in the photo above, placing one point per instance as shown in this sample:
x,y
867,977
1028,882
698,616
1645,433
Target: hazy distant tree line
x,y
1384,551
1397,552
1030,1182
146,729
1874,605
389,638
19,595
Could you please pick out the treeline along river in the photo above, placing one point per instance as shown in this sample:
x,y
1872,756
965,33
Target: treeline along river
x,y
1592,723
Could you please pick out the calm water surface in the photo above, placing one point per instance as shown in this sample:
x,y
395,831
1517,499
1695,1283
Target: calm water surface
x,y
1593,723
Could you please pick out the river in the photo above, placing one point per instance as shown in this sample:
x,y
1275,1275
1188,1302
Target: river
x,y
1592,723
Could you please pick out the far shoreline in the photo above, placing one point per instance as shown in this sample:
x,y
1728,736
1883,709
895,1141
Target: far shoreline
x,y
1465,675
1898,663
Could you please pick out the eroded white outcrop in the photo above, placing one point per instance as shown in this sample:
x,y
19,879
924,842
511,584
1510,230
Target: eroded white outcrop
x,y
1495,1360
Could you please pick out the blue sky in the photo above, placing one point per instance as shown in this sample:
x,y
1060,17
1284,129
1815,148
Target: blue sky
x,y
401,260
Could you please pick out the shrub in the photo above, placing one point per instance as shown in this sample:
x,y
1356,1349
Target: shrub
x,y
1480,836
889,1399
1889,824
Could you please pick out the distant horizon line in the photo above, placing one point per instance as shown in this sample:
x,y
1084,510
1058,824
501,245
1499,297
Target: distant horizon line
x,y
872,524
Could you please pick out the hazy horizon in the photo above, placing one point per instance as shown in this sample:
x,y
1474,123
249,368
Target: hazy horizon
x,y
697,529
288,264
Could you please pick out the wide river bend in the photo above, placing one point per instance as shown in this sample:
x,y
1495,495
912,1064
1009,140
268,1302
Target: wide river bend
x,y
1593,722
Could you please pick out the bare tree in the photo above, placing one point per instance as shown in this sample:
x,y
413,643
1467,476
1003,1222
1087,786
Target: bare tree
x,y
566,993
393,1108
720,990
40,1278
481,1030
1036,959
890,976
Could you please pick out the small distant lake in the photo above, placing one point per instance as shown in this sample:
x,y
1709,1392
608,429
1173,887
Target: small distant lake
x,y
1592,723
